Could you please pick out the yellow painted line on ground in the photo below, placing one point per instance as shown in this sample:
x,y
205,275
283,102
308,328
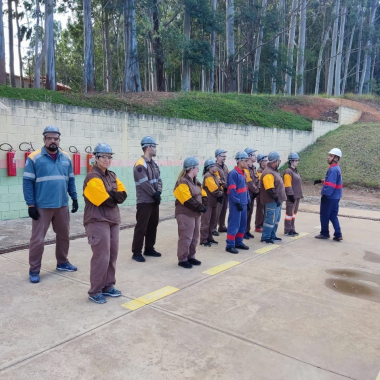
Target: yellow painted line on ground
x,y
378,376
267,249
301,235
149,298
221,267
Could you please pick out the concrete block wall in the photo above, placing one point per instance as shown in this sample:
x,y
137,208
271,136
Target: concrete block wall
x,y
348,115
24,121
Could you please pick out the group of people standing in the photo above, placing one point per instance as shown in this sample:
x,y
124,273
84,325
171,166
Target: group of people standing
x,y
200,206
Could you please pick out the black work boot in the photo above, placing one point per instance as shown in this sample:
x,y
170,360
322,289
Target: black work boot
x,y
215,233
322,237
242,246
268,241
185,264
232,250
194,261
249,235
213,241
152,252
138,257
207,244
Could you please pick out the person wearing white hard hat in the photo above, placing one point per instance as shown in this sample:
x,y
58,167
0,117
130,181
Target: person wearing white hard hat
x,y
331,194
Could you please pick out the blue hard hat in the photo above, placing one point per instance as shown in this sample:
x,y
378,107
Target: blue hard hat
x,y
51,129
273,156
102,148
241,155
148,141
249,151
293,156
208,163
190,162
218,152
261,157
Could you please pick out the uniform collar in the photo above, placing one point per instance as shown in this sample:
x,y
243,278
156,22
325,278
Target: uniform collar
x,y
239,171
146,160
332,165
100,171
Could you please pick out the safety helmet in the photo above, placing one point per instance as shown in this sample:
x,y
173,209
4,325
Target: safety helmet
x,y
190,162
102,148
51,129
261,157
208,163
273,156
293,156
336,152
241,156
250,151
148,141
218,152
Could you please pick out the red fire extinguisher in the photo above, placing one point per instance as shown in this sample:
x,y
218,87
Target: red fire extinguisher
x,y
76,159
27,151
90,158
11,160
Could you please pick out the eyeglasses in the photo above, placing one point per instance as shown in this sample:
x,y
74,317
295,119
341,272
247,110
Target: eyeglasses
x,y
223,156
106,157
52,138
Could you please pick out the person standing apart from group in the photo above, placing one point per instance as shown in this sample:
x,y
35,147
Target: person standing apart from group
x,y
103,192
262,160
220,155
272,194
191,202
253,187
215,194
332,192
293,190
148,192
48,178
238,199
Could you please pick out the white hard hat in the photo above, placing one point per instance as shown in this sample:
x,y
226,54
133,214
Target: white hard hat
x,y
336,152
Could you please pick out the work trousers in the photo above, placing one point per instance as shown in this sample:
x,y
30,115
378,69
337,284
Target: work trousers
x,y
208,224
290,215
222,212
250,212
104,240
60,220
272,216
147,217
329,213
259,213
237,223
188,235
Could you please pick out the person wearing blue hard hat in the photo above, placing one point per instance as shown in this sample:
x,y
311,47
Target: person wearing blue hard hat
x,y
262,160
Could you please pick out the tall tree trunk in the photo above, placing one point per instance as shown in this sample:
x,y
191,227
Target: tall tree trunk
x,y
251,48
50,60
338,66
158,51
292,32
37,68
88,48
212,43
3,78
334,39
256,67
104,55
19,45
230,39
320,56
277,45
239,78
359,56
132,71
11,52
109,60
185,61
301,50
347,60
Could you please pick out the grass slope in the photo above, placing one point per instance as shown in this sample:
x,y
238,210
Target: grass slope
x,y
258,110
360,162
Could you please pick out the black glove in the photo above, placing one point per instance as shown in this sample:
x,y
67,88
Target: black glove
x,y
157,197
317,181
75,206
33,213
278,203
204,209
291,198
219,199
248,206
324,199
239,207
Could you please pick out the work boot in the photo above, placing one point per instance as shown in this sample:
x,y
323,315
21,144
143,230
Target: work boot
x,y
66,267
34,277
340,238
215,233
194,261
185,264
152,252
207,244
258,229
295,233
138,257
246,237
322,237
222,229
276,238
290,233
232,250
213,241
268,241
250,235
113,292
99,298
242,246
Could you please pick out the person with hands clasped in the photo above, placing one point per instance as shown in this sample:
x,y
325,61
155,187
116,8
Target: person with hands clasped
x,y
332,191
215,195
262,160
191,202
148,192
272,194
102,192
293,190
238,199
48,178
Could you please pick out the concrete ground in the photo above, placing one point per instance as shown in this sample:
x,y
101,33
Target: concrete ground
x,y
306,310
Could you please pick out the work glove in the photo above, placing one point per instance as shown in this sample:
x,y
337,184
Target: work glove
x,y
291,198
317,181
239,207
75,206
248,206
157,197
33,213
219,199
278,203
204,209
324,199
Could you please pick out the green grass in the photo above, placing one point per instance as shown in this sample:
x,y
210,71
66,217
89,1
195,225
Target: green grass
x,y
258,110
360,147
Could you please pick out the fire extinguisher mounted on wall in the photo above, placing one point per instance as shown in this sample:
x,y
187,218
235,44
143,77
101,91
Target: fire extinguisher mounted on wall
x,y
90,158
76,159
27,151
11,160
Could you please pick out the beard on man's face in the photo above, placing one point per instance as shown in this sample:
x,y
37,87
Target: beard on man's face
x,y
53,147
